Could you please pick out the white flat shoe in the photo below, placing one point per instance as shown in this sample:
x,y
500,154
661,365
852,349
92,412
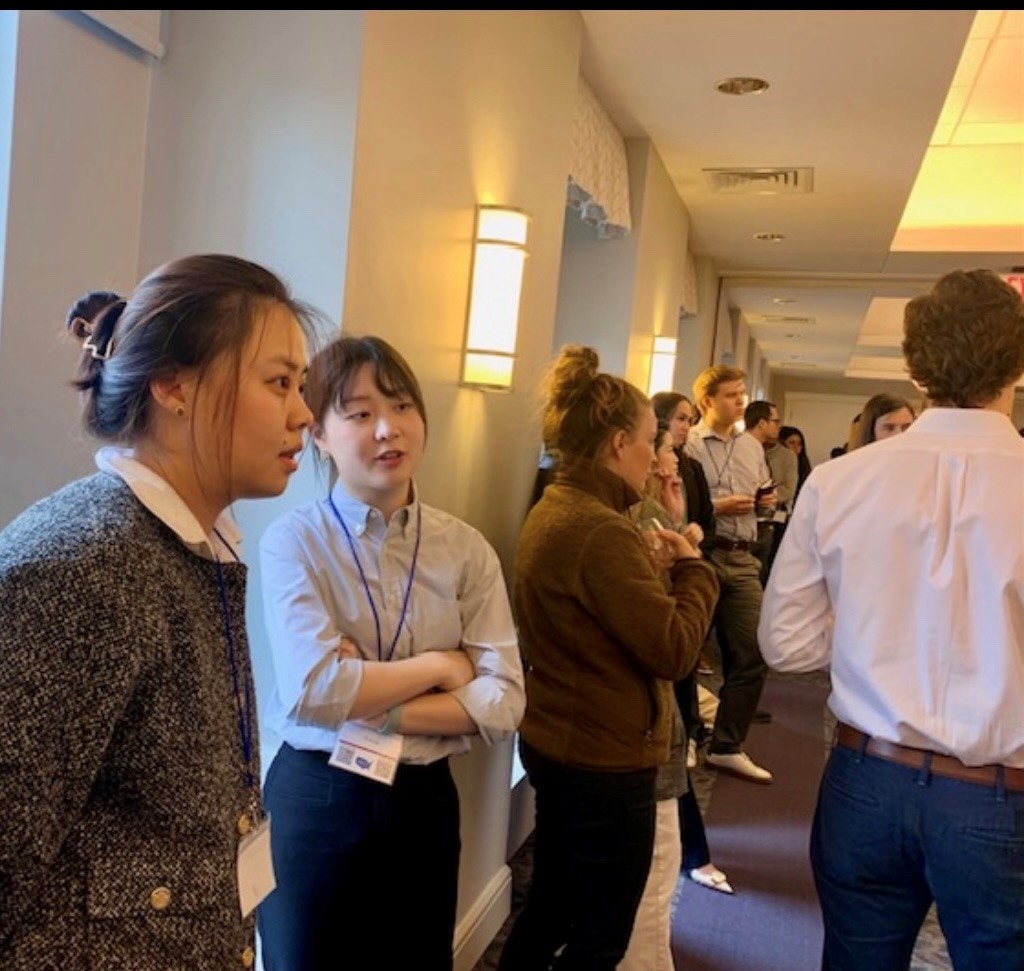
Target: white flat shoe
x,y
713,880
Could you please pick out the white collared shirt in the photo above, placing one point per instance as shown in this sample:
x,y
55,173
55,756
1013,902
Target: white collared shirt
x,y
156,494
313,593
903,568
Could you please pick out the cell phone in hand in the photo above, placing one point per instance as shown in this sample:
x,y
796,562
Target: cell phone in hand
x,y
764,490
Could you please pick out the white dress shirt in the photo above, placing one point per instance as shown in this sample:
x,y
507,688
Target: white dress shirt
x,y
313,592
157,495
903,568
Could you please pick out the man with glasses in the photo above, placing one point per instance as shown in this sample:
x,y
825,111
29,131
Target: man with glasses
x,y
761,419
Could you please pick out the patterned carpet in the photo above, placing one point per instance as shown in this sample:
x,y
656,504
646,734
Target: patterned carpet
x,y
929,954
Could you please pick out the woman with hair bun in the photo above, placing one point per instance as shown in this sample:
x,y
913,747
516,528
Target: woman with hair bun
x,y
133,834
604,641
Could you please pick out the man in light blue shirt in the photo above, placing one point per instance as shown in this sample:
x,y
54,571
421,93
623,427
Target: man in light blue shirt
x,y
735,467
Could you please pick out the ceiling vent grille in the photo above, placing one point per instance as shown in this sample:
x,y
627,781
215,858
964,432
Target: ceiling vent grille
x,y
781,320
760,181
787,319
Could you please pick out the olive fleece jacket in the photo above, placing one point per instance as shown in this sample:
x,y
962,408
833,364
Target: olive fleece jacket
x,y
602,638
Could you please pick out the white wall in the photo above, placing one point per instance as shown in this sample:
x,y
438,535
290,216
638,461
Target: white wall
x,y
81,104
8,63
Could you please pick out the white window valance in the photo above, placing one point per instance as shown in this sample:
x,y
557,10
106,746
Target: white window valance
x,y
598,170
140,27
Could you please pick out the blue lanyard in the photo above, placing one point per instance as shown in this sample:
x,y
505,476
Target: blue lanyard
x,y
366,585
243,698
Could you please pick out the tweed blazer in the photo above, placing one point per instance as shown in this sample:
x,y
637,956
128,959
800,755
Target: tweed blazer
x,y
122,779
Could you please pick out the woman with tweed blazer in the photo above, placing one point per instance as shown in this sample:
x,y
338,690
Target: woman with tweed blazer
x,y
129,774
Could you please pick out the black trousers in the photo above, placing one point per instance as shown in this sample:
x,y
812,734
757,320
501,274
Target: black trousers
x,y
592,850
361,867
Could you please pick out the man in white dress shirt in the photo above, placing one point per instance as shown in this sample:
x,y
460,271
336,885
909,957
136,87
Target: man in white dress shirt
x,y
735,467
902,569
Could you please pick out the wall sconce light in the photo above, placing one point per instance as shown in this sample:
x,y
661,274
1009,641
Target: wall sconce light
x,y
496,281
663,365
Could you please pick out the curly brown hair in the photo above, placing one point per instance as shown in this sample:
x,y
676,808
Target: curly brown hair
x,y
964,340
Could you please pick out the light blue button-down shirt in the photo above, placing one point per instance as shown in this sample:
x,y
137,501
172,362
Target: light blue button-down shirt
x,y
734,465
313,594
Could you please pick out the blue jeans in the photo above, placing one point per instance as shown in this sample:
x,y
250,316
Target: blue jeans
x,y
696,852
888,840
361,867
592,851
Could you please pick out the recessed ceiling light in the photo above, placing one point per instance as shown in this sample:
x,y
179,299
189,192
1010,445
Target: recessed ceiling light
x,y
742,86
769,237
784,300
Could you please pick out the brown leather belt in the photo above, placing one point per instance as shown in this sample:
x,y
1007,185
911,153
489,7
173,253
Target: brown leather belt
x,y
732,544
914,758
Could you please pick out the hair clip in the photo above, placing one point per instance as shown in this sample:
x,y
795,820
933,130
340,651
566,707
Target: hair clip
x,y
97,354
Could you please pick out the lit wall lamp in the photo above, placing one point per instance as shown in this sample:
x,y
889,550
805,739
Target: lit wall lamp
x,y
663,365
496,282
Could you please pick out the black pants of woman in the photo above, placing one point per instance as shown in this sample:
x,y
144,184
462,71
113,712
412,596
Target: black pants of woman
x,y
361,867
592,850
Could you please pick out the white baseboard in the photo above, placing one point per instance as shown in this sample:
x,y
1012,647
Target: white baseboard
x,y
476,930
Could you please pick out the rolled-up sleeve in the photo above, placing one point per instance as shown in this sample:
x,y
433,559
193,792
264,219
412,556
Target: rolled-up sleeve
x,y
314,686
496,698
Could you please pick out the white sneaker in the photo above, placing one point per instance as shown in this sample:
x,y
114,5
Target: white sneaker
x,y
740,765
691,754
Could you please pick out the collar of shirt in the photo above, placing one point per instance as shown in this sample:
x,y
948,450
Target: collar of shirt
x,y
359,516
963,421
703,431
156,494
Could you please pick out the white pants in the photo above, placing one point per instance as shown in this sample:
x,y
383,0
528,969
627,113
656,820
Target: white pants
x,y
650,945
707,705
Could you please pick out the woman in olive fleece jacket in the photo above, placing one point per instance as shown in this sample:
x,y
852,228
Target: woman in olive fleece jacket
x,y
603,641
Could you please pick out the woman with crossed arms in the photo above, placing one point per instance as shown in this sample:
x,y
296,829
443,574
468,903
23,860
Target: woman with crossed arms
x,y
393,645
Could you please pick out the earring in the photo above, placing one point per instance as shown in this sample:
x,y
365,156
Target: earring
x,y
180,411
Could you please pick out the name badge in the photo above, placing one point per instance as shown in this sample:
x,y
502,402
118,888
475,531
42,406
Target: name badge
x,y
255,868
366,752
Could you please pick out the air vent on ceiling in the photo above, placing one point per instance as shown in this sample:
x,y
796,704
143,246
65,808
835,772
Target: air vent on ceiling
x,y
760,181
780,320
788,319
795,364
